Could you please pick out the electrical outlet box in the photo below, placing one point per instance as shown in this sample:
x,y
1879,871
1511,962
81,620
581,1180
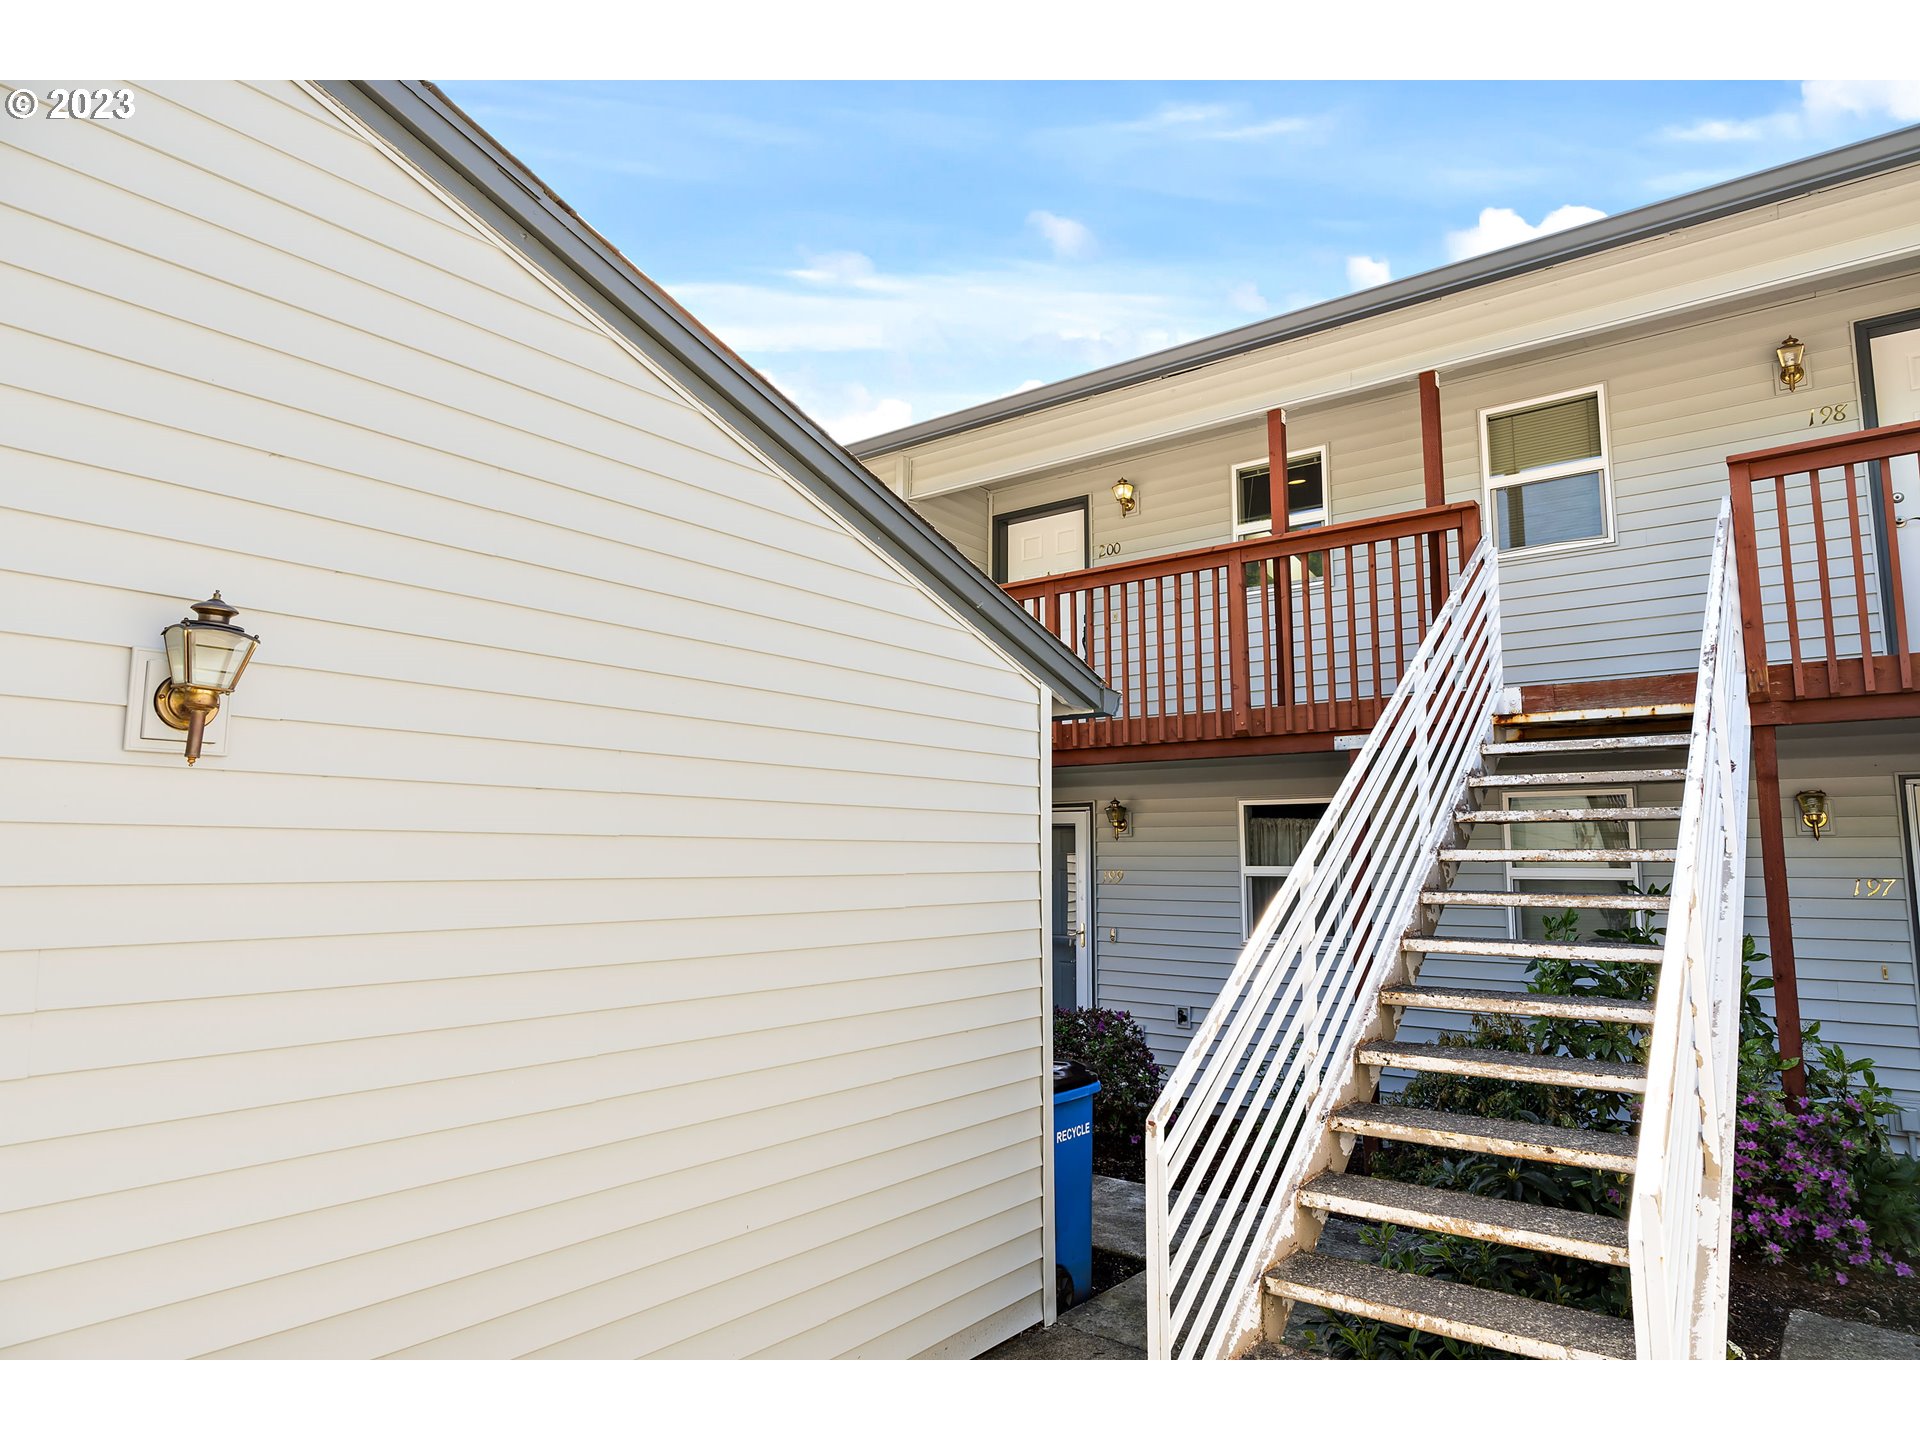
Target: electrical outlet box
x,y
146,731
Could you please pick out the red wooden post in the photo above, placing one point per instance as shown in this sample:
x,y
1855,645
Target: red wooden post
x,y
1434,476
1277,468
1773,882
1280,593
1746,565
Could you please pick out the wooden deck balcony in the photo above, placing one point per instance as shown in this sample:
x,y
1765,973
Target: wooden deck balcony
x,y
1821,583
1278,643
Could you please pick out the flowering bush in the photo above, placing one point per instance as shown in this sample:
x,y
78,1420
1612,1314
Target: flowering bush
x,y
1816,1179
1793,1191
1111,1045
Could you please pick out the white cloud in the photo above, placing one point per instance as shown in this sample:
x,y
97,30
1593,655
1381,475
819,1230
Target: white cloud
x,y
1262,129
865,414
1499,227
1364,272
1823,104
1718,131
1897,99
836,267
1026,385
1069,239
1211,122
1078,315
1171,116
1246,296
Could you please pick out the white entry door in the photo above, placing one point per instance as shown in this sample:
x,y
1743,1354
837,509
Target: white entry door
x,y
1072,897
1048,544
1896,397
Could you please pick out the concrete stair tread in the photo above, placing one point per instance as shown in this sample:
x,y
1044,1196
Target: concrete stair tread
x,y
1518,900
1519,1002
1521,1067
1517,1139
1599,744
1601,1239
1578,777
1442,1307
1597,812
1536,950
1567,857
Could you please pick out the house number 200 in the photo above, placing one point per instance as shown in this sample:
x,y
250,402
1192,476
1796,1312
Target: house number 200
x,y
1106,550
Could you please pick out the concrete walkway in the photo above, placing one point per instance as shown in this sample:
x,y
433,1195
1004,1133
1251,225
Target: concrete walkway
x,y
1113,1324
1815,1337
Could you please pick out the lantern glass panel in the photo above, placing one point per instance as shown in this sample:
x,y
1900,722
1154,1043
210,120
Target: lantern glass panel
x,y
176,638
216,655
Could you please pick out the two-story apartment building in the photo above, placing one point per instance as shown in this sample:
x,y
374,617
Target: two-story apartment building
x,y
1587,399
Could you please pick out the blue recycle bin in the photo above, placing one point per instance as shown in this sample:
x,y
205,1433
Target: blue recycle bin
x,y
1074,1087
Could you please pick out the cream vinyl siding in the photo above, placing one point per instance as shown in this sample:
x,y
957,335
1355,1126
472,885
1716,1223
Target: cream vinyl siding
x,y
1678,402
616,926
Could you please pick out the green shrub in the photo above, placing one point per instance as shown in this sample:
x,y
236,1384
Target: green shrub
x,y
1111,1045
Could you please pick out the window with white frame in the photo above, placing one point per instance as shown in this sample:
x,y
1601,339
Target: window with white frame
x,y
1570,877
1306,507
1306,494
1272,835
1548,482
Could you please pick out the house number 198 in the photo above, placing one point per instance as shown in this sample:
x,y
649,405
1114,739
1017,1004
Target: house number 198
x,y
1831,414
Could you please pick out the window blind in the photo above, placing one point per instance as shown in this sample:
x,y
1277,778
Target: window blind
x,y
1557,433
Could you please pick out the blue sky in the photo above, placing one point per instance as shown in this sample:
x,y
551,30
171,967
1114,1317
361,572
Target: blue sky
x,y
890,252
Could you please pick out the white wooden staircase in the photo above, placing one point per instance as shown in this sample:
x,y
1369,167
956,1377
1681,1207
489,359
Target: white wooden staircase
x,y
1248,1145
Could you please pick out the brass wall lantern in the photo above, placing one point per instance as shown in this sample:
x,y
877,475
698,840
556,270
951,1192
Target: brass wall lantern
x,y
1127,493
206,654
1118,818
1791,355
1813,810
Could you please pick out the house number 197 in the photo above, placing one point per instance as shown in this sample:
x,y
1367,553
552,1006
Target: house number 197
x,y
1873,889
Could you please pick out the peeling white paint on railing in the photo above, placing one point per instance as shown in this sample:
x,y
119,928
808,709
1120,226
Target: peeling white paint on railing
x,y
1680,1230
1243,1120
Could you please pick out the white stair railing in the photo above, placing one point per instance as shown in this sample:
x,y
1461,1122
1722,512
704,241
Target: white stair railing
x,y
1680,1228
1242,1122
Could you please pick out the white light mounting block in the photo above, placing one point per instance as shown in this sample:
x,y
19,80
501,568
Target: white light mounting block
x,y
146,731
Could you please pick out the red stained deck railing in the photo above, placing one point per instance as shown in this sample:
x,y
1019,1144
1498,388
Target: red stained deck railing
x,y
1821,591
1295,634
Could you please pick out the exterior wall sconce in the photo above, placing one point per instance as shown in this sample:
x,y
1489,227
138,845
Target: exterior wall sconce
x,y
1813,810
205,658
1791,355
1119,818
1127,493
